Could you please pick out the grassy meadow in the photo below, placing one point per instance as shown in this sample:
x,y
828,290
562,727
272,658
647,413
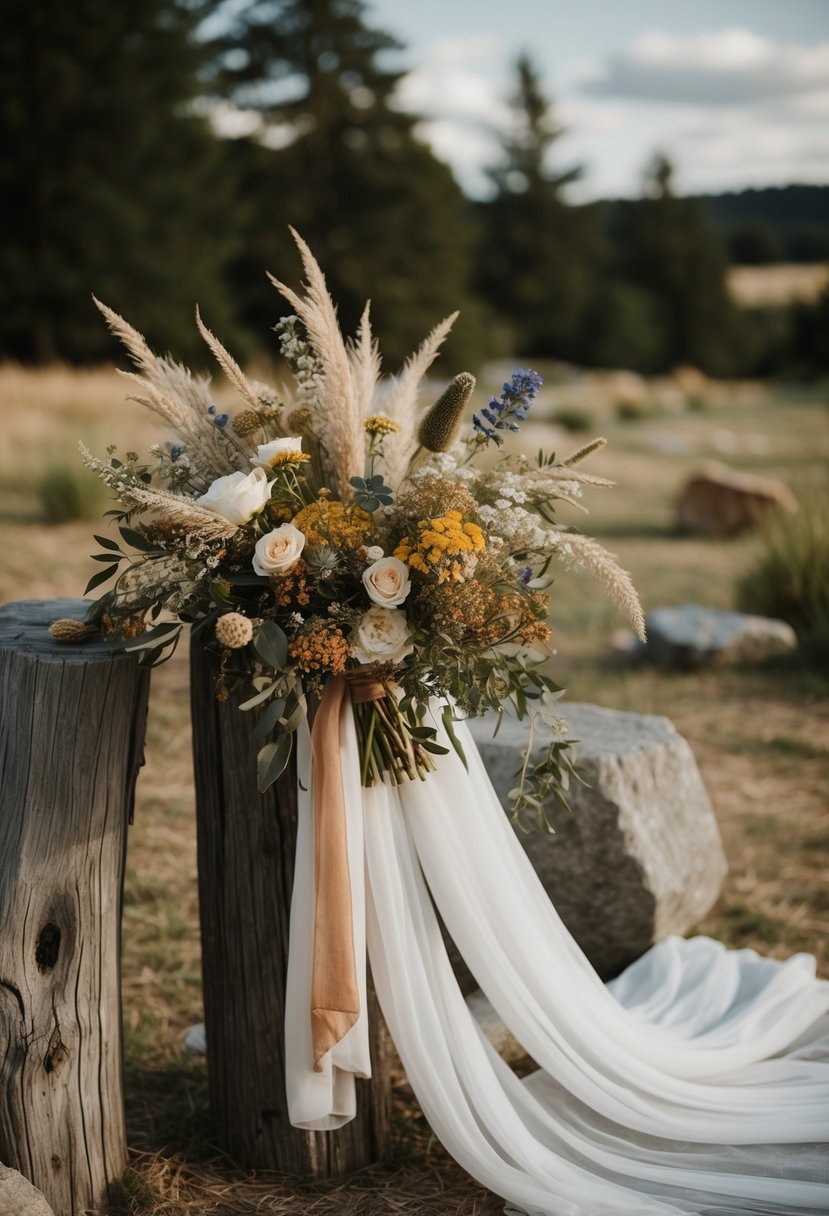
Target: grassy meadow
x,y
760,734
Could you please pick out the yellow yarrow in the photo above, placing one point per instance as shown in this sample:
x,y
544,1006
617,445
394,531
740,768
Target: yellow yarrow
x,y
328,522
379,424
445,547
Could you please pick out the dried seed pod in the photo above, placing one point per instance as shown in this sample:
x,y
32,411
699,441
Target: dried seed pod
x,y
246,423
67,630
437,430
233,630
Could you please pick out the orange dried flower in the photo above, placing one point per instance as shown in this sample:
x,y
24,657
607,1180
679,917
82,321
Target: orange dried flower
x,y
320,648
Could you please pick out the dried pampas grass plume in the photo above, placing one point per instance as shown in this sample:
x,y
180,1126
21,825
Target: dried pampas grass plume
x,y
338,415
402,404
583,551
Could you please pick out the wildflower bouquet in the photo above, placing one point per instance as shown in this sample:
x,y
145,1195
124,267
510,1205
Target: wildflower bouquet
x,y
341,529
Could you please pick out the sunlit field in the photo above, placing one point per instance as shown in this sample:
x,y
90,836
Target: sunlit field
x,y
760,734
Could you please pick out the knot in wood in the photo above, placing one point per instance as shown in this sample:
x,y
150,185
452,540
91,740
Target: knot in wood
x,y
48,947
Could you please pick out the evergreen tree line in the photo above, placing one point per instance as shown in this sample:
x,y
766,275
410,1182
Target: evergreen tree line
x,y
119,179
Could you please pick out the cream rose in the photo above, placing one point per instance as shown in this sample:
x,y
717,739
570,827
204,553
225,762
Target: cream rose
x,y
238,496
265,452
381,637
387,581
278,551
372,552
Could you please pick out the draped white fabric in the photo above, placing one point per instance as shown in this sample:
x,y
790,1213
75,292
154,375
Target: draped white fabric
x,y
697,1082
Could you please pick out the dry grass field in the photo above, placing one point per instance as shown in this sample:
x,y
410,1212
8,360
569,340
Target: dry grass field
x,y
761,736
783,283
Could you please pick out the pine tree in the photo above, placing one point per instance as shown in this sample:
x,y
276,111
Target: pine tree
x,y
537,253
110,181
667,247
385,218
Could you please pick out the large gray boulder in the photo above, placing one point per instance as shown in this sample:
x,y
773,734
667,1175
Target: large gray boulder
x,y
639,856
693,636
18,1197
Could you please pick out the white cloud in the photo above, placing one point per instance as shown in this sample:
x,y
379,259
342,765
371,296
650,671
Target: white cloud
x,y
457,88
744,110
724,67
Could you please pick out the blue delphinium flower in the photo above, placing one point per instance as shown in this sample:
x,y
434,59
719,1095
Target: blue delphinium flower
x,y
175,451
222,420
504,413
211,409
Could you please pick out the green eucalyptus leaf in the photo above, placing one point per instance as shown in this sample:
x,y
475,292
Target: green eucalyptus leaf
x,y
271,644
272,761
267,723
160,636
449,727
261,696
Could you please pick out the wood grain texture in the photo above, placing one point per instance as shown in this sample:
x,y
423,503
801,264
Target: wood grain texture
x,y
72,721
246,843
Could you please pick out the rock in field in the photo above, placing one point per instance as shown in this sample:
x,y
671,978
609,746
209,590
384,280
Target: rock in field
x,y
718,501
18,1197
692,636
639,857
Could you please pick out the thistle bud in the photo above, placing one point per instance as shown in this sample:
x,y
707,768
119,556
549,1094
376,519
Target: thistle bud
x,y
437,430
67,630
246,423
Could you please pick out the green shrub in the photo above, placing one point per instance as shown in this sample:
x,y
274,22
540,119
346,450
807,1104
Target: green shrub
x,y
790,579
68,491
572,419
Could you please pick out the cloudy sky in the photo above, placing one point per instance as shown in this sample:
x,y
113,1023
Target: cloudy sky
x,y
737,91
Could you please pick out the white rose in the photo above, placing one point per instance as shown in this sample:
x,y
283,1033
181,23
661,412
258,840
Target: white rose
x,y
237,497
265,452
381,637
278,551
387,581
372,552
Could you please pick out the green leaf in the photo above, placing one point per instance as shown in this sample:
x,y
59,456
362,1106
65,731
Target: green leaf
x,y
271,645
100,577
429,746
449,727
269,719
138,541
272,761
104,557
106,542
160,636
261,696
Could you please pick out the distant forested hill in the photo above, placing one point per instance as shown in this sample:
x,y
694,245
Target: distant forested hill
x,y
775,224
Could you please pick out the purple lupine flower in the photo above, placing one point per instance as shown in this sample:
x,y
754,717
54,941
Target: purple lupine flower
x,y
504,413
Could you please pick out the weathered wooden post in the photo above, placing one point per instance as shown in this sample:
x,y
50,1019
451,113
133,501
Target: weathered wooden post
x,y
246,845
72,720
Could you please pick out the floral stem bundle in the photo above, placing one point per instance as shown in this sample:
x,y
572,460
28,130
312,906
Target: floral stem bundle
x,y
341,525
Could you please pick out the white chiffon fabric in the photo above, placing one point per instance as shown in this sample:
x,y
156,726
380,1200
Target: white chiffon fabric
x,y
697,1082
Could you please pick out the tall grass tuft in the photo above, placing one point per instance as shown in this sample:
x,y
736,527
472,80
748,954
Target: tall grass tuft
x,y
790,579
67,491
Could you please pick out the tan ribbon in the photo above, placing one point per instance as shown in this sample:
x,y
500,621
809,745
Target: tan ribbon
x,y
335,994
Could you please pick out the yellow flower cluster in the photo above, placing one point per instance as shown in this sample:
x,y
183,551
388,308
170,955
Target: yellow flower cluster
x,y
322,648
379,424
445,547
332,523
289,457
482,615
